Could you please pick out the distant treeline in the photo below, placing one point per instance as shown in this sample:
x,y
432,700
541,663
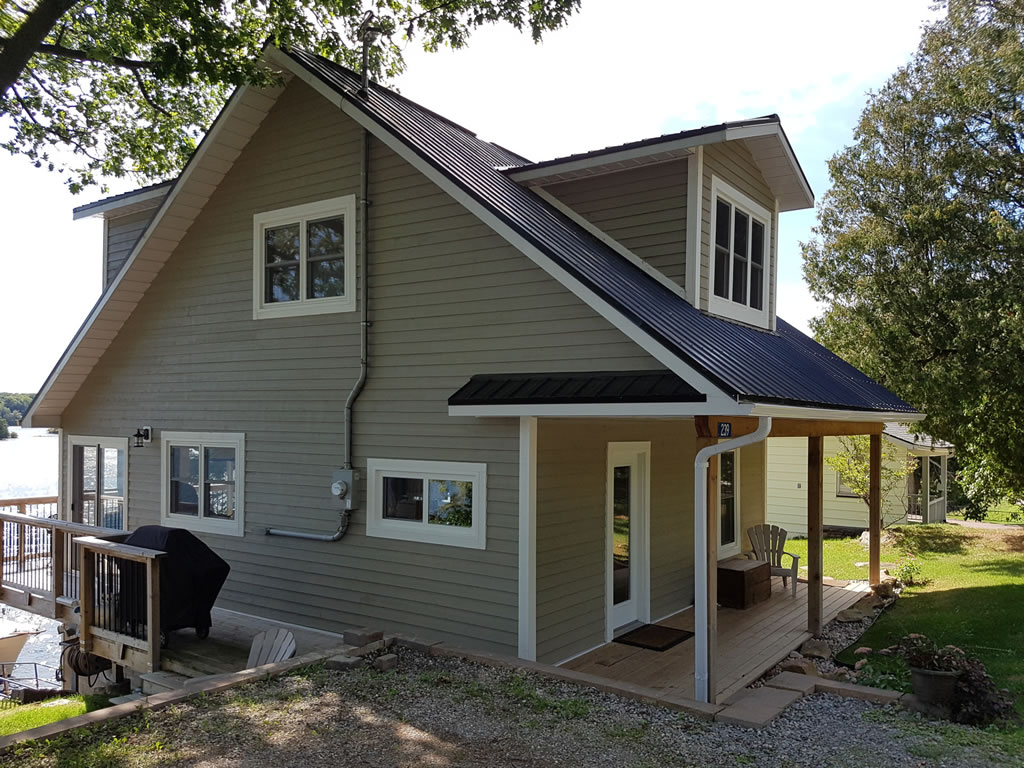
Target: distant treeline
x,y
13,407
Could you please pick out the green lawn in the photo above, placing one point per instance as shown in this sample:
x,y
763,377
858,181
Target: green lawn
x,y
27,716
840,557
971,598
1006,513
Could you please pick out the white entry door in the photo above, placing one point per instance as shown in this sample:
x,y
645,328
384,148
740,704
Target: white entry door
x,y
97,481
628,535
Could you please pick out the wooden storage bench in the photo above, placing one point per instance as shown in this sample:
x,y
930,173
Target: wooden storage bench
x,y
743,583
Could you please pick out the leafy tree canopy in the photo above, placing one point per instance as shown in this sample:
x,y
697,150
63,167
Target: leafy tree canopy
x,y
130,86
919,248
853,465
13,407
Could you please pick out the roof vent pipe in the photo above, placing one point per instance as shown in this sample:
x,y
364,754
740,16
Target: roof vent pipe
x,y
367,35
700,549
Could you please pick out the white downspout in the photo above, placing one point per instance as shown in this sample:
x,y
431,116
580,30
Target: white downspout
x,y
700,549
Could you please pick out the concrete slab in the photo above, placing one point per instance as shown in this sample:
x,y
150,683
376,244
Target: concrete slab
x,y
793,681
854,691
758,708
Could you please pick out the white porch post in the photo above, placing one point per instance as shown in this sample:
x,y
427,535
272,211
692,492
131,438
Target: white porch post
x,y
926,489
945,488
528,538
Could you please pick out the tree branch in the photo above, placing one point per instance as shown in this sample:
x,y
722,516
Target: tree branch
x,y
145,95
24,43
73,53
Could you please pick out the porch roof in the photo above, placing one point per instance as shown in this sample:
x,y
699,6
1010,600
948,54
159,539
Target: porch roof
x,y
576,387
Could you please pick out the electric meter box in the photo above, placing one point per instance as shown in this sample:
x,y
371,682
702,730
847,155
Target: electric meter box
x,y
345,485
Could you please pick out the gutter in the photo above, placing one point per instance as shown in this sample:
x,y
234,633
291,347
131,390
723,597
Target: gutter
x,y
702,650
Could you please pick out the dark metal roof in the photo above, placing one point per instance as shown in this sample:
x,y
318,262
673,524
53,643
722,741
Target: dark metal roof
x,y
641,143
752,365
902,433
579,387
125,196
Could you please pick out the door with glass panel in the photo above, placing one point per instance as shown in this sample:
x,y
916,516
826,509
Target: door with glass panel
x,y
98,481
728,505
627,564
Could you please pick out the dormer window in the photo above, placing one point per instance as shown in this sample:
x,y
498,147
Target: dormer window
x,y
740,248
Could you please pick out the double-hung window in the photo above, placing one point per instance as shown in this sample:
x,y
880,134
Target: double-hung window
x,y
740,248
203,481
304,259
437,502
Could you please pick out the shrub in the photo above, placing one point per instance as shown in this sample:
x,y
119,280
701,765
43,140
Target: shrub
x,y
908,569
922,653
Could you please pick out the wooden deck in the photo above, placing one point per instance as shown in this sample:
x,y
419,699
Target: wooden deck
x,y
750,642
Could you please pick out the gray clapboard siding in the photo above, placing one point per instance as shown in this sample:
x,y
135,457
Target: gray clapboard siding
x,y
122,233
449,299
732,162
571,525
642,208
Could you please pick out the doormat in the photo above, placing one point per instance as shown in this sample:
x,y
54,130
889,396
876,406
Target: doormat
x,y
654,637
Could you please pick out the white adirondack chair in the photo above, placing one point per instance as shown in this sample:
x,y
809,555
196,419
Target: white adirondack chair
x,y
768,542
270,647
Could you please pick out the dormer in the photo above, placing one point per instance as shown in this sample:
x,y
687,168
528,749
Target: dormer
x,y
732,179
125,218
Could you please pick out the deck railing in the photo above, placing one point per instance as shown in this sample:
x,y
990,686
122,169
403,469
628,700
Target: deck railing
x,y
84,575
34,506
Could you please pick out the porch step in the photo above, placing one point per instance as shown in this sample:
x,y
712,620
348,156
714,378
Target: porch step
x,y
193,663
756,707
158,682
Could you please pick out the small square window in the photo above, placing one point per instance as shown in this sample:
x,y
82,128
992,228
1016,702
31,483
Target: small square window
x,y
304,259
427,501
203,480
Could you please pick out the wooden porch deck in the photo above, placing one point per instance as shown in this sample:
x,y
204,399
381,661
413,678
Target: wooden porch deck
x,y
750,642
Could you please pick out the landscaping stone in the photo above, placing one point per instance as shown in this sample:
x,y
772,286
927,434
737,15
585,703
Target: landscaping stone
x,y
862,651
363,636
851,615
869,603
386,662
343,661
885,590
816,648
800,667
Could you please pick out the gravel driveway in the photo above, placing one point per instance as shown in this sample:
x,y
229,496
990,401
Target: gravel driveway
x,y
438,711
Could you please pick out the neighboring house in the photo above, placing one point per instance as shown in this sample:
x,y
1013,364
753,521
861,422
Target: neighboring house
x,y
549,346
786,473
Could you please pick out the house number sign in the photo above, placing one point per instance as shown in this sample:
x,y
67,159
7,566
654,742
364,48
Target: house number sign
x,y
725,429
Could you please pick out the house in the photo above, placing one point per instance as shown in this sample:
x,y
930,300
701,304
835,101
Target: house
x,y
786,477
401,377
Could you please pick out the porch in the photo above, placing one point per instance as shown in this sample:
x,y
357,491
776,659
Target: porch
x,y
750,642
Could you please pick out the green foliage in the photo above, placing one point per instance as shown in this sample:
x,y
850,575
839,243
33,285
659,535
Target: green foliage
x,y
919,248
26,716
907,569
129,87
4,431
853,465
13,407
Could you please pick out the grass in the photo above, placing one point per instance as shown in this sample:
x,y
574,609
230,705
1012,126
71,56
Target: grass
x,y
971,596
840,557
1005,513
28,716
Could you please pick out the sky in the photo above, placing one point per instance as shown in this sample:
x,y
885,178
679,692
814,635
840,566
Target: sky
x,y
608,77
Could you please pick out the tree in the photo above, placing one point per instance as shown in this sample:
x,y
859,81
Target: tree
x,y
853,465
4,431
129,86
919,247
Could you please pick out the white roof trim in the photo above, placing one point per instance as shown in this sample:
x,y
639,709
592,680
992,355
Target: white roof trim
x,y
154,247
828,414
139,202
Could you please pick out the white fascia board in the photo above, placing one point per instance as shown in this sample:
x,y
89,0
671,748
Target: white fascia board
x,y
586,163
775,129
171,195
596,410
694,223
919,449
138,202
828,414
718,399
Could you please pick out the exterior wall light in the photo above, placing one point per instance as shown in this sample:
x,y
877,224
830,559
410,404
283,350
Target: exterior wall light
x,y
142,436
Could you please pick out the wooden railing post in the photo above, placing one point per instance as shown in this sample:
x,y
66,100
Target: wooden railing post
x,y
57,564
86,588
153,612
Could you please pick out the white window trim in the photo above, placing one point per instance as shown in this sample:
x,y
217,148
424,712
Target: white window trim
x,y
727,307
842,492
236,440
732,549
119,443
474,537
299,214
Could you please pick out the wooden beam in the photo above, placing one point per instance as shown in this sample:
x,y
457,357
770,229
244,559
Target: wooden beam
x,y
153,613
815,530
707,426
875,511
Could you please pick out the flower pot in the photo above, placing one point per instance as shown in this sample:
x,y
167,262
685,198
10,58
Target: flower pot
x,y
935,687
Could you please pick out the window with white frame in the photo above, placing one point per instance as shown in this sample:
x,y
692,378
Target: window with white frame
x,y
203,481
728,504
436,502
304,259
842,491
740,251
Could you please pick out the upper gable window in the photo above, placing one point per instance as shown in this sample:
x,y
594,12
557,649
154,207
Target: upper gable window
x,y
740,248
304,259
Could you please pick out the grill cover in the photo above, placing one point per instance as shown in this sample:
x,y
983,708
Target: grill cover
x,y
191,575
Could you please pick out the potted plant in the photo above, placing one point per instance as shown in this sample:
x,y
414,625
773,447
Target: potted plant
x,y
934,671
